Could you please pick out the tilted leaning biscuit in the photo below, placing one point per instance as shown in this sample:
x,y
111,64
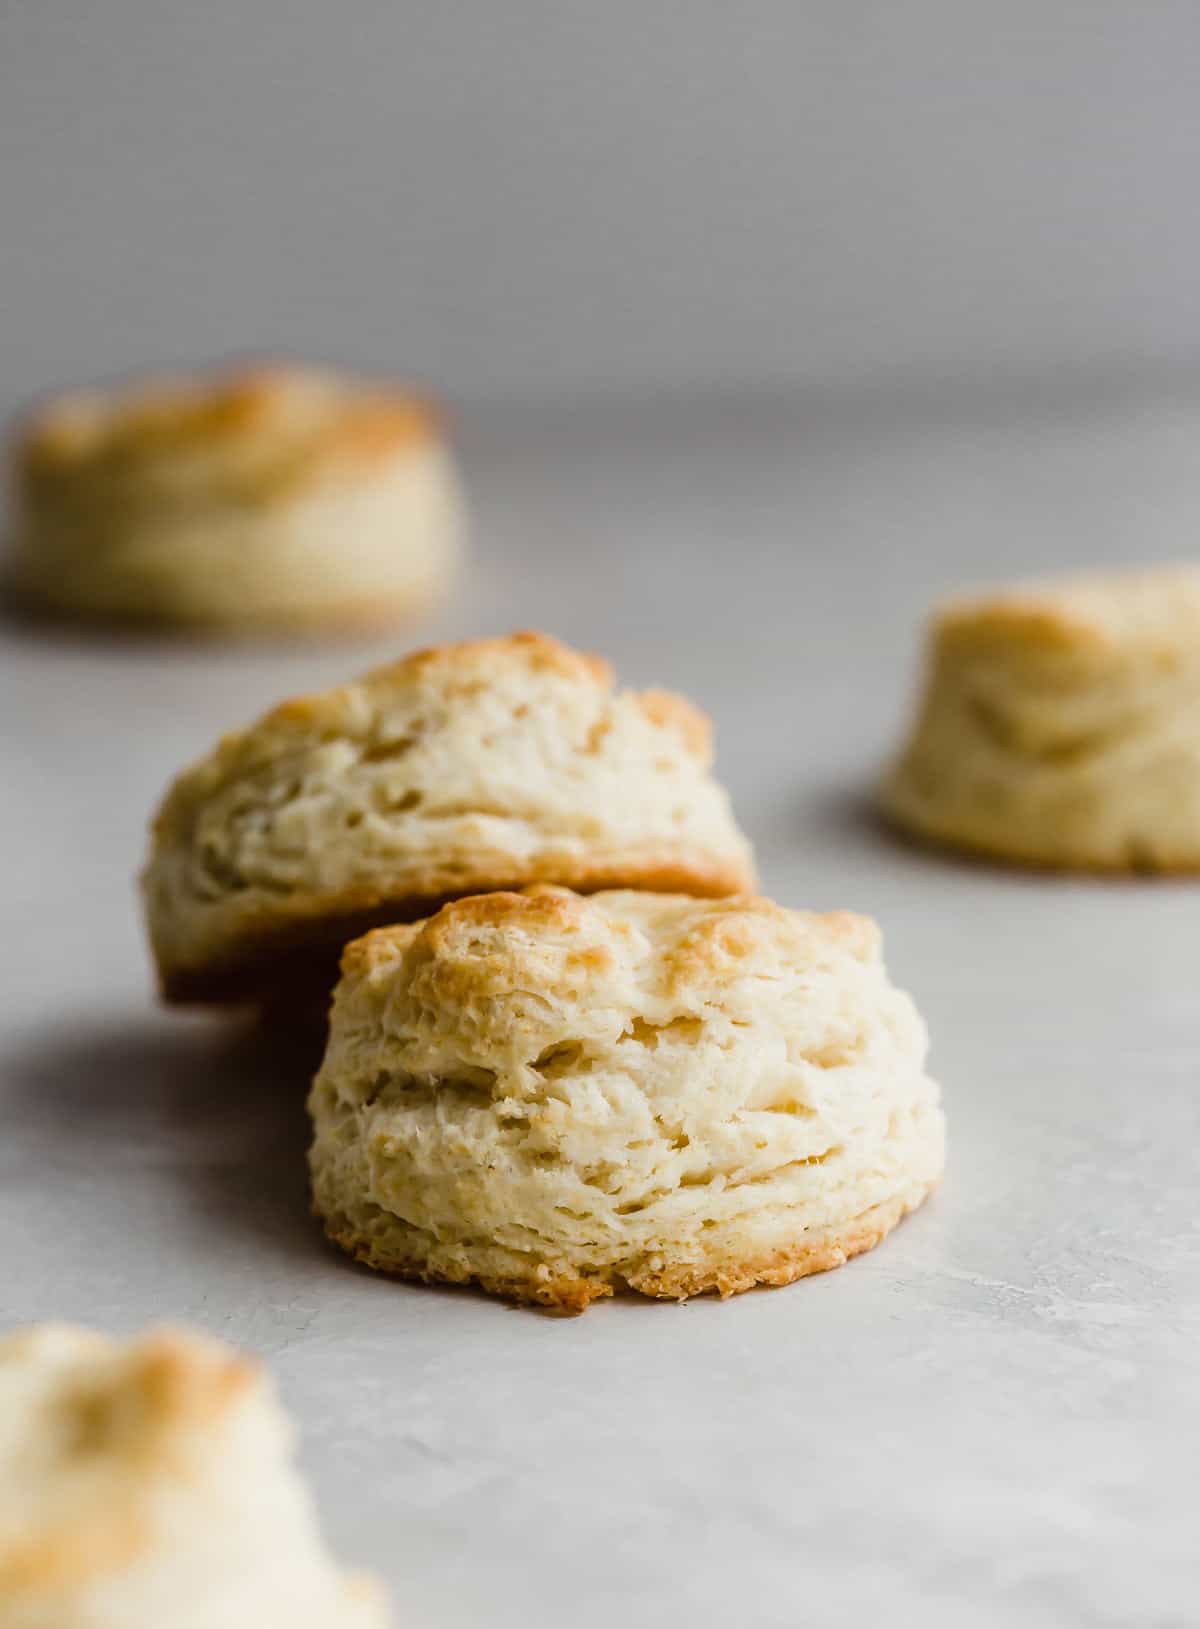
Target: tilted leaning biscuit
x,y
457,770
286,497
1060,725
558,1096
150,1484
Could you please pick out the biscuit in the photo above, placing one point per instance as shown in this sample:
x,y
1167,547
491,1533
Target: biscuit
x,y
458,770
286,497
1060,726
557,1096
151,1483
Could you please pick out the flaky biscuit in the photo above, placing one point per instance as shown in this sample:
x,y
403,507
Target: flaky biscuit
x,y
1060,725
150,1484
285,497
458,770
559,1096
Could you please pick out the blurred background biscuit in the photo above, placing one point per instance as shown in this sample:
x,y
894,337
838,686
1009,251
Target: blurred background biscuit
x,y
286,498
1060,725
150,1483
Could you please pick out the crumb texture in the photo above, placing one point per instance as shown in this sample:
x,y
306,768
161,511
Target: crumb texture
x,y
150,1484
1060,726
557,1096
461,769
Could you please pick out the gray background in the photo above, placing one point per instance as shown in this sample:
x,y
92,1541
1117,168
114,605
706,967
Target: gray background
x,y
539,197
767,323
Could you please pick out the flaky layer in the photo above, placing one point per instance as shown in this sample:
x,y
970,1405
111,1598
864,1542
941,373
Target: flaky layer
x,y
151,1484
286,498
459,770
555,1096
1061,727
377,1239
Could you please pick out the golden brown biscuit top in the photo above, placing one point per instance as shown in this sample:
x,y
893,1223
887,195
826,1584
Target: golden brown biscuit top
x,y
1154,610
431,680
558,943
462,668
468,665
253,430
472,660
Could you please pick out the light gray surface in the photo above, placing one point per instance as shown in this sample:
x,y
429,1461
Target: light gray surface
x,y
548,195
992,1419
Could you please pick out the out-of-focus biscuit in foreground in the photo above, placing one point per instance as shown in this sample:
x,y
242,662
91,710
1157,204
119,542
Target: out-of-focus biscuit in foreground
x,y
150,1484
285,497
459,770
1060,726
557,1097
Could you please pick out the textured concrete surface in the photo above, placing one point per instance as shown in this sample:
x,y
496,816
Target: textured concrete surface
x,y
990,1420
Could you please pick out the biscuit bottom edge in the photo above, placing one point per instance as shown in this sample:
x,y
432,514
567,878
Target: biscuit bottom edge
x,y
298,942
1140,861
407,1252
27,601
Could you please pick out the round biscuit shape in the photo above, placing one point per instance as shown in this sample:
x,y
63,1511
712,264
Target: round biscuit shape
x,y
1060,726
282,498
557,1096
461,769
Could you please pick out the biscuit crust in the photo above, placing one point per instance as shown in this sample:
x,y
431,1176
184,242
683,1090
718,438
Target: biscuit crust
x,y
568,1295
559,1097
1060,727
459,770
272,428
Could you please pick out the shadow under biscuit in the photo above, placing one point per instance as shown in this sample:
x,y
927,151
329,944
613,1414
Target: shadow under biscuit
x,y
24,617
849,819
842,812
219,1109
